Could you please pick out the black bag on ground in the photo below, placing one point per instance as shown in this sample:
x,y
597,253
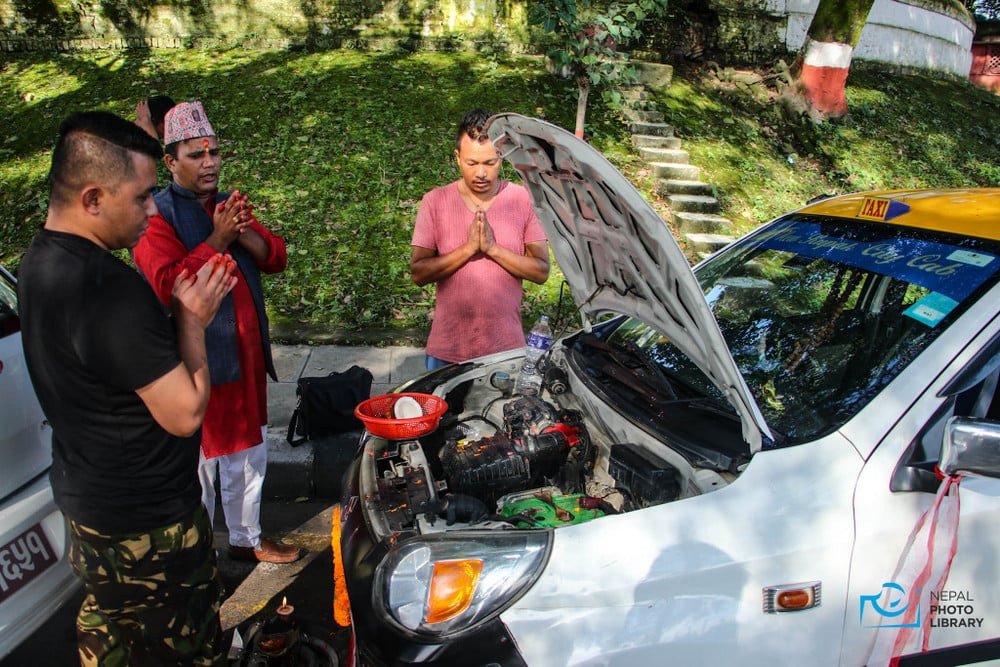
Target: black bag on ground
x,y
326,404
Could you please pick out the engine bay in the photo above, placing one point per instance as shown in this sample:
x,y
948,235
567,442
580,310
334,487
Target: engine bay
x,y
499,460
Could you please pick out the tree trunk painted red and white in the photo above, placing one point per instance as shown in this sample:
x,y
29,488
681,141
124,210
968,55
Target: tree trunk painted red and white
x,y
825,58
823,75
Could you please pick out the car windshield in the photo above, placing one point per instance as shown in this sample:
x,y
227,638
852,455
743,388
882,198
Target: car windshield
x,y
820,314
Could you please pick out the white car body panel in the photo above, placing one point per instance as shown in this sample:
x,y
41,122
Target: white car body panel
x,y
689,574
885,519
26,497
25,436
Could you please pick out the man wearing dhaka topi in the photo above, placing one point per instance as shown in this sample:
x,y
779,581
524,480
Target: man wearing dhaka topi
x,y
195,222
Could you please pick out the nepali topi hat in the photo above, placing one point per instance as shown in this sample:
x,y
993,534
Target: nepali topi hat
x,y
187,120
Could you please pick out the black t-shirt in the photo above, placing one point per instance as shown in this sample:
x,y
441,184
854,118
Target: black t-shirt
x,y
93,333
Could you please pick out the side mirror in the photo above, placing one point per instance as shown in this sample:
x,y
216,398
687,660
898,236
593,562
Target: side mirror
x,y
971,447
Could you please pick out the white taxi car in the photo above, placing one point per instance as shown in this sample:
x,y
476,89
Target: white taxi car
x,y
753,463
35,577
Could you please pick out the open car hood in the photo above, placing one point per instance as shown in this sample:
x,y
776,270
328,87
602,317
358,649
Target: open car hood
x,y
617,254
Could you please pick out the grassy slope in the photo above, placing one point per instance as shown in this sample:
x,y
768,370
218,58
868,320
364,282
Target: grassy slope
x,y
902,132
337,148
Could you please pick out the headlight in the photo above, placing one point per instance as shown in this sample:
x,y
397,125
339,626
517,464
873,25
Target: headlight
x,y
441,585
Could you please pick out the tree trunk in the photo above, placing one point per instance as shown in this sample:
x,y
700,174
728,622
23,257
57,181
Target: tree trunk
x,y
581,102
822,65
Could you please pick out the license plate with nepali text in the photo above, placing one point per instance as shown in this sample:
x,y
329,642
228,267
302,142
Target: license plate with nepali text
x,y
22,559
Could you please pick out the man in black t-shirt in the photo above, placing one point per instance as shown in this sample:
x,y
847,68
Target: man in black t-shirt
x,y
125,388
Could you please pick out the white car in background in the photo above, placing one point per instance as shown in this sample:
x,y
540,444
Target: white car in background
x,y
35,576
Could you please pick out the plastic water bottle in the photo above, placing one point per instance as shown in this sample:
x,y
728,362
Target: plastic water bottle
x,y
529,381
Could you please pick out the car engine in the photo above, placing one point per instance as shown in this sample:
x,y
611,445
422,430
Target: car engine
x,y
514,461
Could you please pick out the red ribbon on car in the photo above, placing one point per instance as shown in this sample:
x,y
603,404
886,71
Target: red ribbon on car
x,y
922,568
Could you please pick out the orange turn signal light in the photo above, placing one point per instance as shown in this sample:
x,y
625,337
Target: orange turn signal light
x,y
794,599
453,583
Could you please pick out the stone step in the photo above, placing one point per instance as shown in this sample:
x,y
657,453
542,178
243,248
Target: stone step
x,y
642,106
703,245
667,187
675,170
650,141
694,203
701,223
653,74
635,93
643,115
674,155
657,129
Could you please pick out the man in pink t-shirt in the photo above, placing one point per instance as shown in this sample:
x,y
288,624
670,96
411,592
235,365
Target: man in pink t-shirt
x,y
477,238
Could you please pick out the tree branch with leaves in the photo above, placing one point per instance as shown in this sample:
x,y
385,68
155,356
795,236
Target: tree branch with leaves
x,y
588,41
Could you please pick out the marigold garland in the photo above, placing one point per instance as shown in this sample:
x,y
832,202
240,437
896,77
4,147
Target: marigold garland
x,y
341,603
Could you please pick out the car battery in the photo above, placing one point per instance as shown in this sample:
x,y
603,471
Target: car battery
x,y
642,477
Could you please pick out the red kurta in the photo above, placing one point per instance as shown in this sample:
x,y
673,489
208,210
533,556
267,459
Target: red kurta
x,y
236,410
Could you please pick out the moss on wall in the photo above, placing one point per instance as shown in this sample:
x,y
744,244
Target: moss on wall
x,y
28,24
732,32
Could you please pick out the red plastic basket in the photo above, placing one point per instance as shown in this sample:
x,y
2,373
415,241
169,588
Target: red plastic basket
x,y
377,416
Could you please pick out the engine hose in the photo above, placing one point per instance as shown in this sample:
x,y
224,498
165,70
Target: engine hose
x,y
489,405
628,495
324,649
464,508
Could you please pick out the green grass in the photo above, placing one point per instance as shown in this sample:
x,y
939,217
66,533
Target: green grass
x,y
902,132
336,148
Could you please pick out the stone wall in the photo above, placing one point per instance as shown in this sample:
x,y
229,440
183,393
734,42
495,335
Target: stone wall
x,y
935,35
66,24
921,34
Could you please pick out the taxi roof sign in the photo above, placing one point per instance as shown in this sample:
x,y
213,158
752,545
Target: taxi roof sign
x,y
970,212
881,209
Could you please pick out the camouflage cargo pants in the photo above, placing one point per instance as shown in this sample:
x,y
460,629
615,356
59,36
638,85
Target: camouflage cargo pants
x,y
152,598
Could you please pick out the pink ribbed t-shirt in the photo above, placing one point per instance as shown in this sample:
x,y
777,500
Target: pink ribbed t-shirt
x,y
478,307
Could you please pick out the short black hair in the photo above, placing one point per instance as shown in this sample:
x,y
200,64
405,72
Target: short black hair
x,y
95,146
472,124
159,105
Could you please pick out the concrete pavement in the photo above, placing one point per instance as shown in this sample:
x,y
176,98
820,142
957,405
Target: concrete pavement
x,y
311,469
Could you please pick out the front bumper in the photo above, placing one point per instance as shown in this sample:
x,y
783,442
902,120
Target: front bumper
x,y
376,642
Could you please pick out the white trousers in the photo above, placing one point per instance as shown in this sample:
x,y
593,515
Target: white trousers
x,y
241,482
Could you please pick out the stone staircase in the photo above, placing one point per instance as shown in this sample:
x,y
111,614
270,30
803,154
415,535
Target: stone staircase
x,y
693,206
